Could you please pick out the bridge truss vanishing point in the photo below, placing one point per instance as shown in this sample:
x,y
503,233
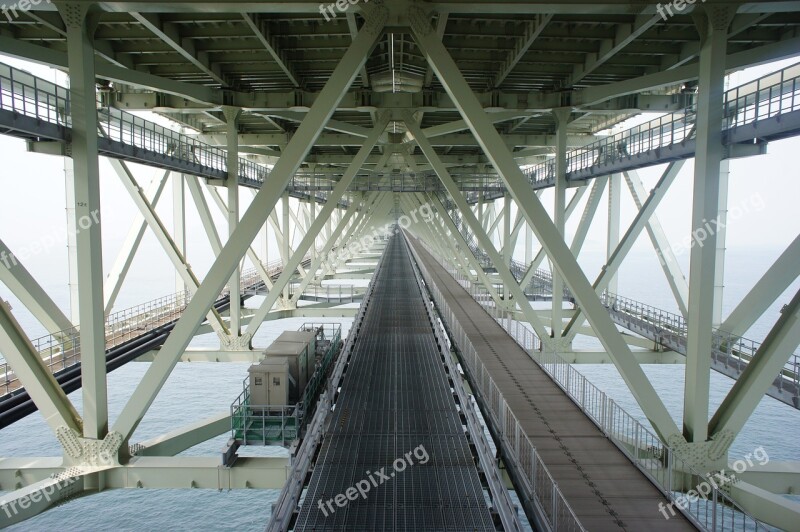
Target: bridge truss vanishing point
x,y
463,110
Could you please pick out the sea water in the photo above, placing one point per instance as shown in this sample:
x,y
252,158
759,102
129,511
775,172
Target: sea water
x,y
195,391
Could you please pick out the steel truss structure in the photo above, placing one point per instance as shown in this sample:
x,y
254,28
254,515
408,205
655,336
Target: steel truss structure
x,y
452,116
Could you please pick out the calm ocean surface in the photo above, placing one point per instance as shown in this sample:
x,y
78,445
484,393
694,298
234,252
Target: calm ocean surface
x,y
197,391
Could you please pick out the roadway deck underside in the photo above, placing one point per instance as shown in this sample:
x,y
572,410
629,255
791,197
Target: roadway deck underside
x,y
395,397
605,490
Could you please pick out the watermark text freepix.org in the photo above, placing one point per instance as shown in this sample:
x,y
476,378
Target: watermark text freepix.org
x,y
47,242
715,481
373,480
678,5
424,213
341,6
12,12
710,228
12,508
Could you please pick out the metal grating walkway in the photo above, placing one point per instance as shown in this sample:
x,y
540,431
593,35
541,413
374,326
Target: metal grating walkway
x,y
395,397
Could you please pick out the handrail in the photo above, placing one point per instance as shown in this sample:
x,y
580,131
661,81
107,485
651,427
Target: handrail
x,y
645,450
339,292
61,349
671,330
31,96
769,96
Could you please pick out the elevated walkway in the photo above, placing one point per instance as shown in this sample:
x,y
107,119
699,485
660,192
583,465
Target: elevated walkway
x,y
605,490
395,398
34,109
730,353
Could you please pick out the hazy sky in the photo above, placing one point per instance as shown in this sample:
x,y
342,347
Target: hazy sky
x,y
766,189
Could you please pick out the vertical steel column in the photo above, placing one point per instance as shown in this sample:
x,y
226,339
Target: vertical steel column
x,y
481,209
528,243
722,236
286,237
81,25
72,244
614,205
179,222
313,205
508,253
561,117
232,115
712,22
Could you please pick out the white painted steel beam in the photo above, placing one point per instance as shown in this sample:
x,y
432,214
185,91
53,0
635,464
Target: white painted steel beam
x,y
642,220
30,293
261,31
464,251
562,119
38,381
122,264
81,22
178,440
666,255
474,224
163,237
770,358
178,221
308,239
772,284
712,24
232,115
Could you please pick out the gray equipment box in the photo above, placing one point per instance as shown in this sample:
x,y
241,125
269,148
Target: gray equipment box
x,y
297,357
270,382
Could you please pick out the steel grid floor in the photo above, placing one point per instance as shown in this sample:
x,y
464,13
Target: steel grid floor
x,y
395,397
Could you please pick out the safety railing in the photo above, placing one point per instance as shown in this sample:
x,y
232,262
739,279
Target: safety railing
x,y
539,483
132,130
328,342
125,325
264,424
767,97
770,96
27,95
62,349
668,329
31,96
329,292
715,511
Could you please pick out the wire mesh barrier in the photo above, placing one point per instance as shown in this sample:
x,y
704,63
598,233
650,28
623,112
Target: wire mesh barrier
x,y
716,511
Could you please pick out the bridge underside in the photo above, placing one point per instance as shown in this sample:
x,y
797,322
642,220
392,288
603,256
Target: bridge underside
x,y
302,137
